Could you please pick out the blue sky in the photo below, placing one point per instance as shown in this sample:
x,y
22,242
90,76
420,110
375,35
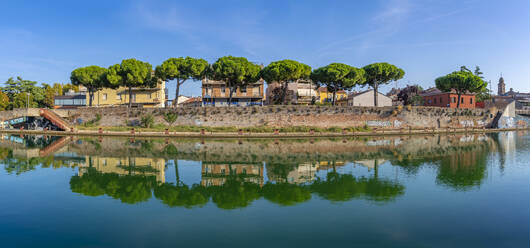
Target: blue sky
x,y
45,40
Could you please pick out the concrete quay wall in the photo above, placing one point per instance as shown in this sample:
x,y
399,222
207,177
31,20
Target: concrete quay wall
x,y
284,116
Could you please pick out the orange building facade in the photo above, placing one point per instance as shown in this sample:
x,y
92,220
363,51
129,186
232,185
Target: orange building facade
x,y
449,100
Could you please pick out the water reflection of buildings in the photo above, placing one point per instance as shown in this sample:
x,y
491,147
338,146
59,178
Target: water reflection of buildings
x,y
126,166
307,172
296,174
370,164
216,174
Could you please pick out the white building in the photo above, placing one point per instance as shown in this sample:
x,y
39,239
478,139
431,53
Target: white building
x,y
182,99
366,99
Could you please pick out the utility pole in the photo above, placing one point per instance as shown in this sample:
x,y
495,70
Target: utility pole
x,y
27,106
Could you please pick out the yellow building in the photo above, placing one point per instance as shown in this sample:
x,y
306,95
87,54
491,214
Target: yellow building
x,y
327,97
126,166
141,97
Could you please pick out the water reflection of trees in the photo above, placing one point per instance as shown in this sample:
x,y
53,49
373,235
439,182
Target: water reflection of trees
x,y
344,187
463,170
460,164
127,188
458,167
235,192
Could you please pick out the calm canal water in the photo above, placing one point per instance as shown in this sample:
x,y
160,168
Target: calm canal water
x,y
432,191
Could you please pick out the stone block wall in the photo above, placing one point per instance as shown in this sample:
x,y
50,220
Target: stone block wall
x,y
281,116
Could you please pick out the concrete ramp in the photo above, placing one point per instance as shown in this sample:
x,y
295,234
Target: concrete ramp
x,y
23,117
55,119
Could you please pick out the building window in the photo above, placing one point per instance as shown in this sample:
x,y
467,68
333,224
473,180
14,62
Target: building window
x,y
435,100
453,99
118,97
462,100
223,89
148,95
243,89
104,96
470,100
441,100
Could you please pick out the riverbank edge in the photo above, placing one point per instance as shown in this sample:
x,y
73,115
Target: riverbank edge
x,y
381,132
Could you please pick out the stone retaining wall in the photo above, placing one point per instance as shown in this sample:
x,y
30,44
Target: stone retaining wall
x,y
282,116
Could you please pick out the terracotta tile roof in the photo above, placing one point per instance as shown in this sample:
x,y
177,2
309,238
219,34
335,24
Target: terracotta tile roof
x,y
436,91
192,100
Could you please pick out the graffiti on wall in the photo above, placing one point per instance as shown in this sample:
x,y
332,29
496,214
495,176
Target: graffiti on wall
x,y
379,123
513,122
376,123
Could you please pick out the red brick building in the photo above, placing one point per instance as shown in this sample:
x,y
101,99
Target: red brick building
x,y
436,98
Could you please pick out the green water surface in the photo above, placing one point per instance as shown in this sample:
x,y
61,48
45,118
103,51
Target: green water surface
x,y
410,191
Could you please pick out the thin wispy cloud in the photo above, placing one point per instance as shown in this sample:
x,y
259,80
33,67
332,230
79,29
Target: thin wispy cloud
x,y
241,28
393,18
393,12
383,23
167,17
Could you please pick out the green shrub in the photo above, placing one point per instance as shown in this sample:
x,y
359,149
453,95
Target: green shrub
x,y
170,118
93,122
147,121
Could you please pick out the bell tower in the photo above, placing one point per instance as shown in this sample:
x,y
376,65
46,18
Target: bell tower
x,y
502,87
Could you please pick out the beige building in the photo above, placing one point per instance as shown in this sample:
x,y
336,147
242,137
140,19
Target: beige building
x,y
216,93
141,97
126,166
217,174
302,92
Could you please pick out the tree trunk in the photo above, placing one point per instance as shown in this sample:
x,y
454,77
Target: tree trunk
x,y
458,101
284,92
376,169
177,177
177,92
130,96
90,97
232,89
375,94
334,98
